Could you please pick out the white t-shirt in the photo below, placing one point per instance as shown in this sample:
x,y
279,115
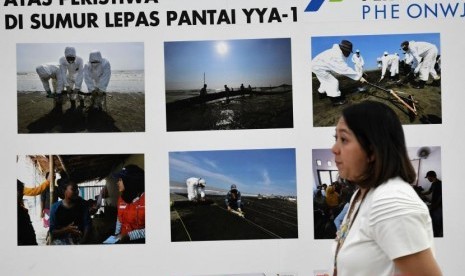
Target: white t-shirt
x,y
392,222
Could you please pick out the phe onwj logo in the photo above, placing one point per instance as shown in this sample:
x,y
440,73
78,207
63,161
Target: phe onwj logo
x,y
315,5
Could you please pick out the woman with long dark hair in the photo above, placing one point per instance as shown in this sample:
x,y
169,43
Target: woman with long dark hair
x,y
387,229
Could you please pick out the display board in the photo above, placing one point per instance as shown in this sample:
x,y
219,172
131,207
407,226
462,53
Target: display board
x,y
227,91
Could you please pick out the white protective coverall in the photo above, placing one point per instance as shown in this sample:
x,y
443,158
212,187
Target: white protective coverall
x,y
330,62
195,187
97,73
424,56
358,62
72,73
391,61
50,72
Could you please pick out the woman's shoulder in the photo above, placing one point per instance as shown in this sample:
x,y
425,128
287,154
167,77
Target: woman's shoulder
x,y
56,205
395,198
394,188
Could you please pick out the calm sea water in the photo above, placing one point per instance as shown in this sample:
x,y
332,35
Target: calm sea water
x,y
121,81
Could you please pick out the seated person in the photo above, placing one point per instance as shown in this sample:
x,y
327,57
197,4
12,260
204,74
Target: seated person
x,y
69,218
130,223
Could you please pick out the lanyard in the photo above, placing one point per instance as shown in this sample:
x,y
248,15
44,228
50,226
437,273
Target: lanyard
x,y
345,227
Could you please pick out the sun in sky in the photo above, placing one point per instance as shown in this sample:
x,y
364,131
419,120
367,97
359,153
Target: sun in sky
x,y
222,48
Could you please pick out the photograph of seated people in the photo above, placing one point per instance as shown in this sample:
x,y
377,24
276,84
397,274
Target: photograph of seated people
x,y
96,199
328,215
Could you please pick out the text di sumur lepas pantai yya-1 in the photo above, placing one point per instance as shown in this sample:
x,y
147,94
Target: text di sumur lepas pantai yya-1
x,y
150,15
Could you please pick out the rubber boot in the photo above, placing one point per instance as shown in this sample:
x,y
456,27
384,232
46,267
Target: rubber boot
x,y
322,96
420,84
337,101
73,104
49,94
410,76
58,108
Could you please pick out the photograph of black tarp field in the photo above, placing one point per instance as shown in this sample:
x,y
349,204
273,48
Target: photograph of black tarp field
x,y
233,195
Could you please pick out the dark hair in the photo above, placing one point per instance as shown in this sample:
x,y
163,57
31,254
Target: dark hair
x,y
20,191
63,183
380,134
134,182
20,185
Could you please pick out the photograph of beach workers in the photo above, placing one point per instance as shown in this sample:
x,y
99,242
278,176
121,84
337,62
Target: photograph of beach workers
x,y
233,195
80,199
228,84
400,70
80,87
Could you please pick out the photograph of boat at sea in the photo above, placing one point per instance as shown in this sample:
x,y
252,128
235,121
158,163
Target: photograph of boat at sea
x,y
123,105
228,84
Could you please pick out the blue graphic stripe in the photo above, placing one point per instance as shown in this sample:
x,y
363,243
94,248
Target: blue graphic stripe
x,y
314,5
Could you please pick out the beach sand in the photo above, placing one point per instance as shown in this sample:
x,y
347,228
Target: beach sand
x,y
428,100
125,112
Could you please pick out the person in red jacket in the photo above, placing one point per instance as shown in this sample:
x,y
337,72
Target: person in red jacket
x,y
130,223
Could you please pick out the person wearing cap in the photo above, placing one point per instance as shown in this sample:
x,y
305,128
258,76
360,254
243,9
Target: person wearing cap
x,y
195,188
130,222
424,55
435,207
97,73
330,62
358,61
233,199
391,62
71,67
70,221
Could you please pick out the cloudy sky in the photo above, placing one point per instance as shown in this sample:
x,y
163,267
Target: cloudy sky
x,y
270,171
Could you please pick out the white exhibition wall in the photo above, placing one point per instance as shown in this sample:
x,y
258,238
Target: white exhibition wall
x,y
226,20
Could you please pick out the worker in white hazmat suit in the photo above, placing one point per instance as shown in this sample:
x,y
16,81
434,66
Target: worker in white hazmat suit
x,y
330,62
50,73
195,188
424,56
358,61
97,73
71,67
391,62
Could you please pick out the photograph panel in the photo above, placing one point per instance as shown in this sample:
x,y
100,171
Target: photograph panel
x,y
80,87
94,199
228,84
331,193
233,195
401,70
